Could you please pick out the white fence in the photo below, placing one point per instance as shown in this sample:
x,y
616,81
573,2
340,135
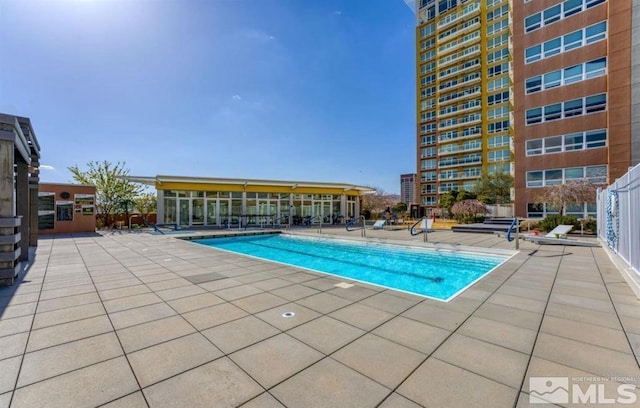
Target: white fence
x,y
619,217
500,210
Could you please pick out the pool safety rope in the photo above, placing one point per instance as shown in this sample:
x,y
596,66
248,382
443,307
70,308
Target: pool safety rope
x,y
613,220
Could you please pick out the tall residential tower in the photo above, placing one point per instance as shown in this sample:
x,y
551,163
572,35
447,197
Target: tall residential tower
x,y
547,90
463,94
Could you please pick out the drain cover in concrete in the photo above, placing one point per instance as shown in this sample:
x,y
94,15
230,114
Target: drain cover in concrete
x,y
205,277
344,285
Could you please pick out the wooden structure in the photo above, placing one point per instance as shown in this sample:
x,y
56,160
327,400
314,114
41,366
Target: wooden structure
x,y
19,161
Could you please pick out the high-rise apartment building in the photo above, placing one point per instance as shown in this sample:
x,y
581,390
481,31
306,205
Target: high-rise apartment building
x,y
463,94
548,90
573,81
408,188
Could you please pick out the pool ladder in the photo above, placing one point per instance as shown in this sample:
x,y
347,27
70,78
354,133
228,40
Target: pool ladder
x,y
422,230
355,221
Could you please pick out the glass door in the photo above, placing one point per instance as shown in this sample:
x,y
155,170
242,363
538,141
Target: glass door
x,y
317,211
224,213
183,213
326,212
212,213
197,210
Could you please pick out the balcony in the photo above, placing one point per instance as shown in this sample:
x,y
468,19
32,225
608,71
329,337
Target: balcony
x,y
455,162
462,44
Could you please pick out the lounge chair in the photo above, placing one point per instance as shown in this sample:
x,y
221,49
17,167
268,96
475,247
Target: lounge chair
x,y
560,231
426,224
379,224
561,241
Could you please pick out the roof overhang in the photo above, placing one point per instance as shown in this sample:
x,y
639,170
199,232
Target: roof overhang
x,y
161,179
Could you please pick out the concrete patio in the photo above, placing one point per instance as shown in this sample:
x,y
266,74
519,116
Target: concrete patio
x,y
134,320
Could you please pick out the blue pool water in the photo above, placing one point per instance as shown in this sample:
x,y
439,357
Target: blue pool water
x,y
437,274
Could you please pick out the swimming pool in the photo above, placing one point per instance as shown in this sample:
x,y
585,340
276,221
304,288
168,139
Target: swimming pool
x,y
437,274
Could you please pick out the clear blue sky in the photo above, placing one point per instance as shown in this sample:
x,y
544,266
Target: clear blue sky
x,y
269,89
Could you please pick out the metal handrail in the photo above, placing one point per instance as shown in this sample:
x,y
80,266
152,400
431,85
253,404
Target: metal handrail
x,y
277,220
513,225
413,234
354,221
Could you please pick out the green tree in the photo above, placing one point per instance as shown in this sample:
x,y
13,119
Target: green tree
x,y
112,190
146,204
400,208
447,200
494,188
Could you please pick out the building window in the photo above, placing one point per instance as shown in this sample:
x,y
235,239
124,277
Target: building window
x,y
566,76
46,210
557,13
499,155
567,109
567,42
64,212
428,176
591,139
552,177
498,141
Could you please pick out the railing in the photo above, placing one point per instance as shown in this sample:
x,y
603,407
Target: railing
x,y
619,218
156,227
422,230
355,221
515,224
276,221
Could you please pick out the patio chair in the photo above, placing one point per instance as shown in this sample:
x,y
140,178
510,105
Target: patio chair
x,y
379,224
560,231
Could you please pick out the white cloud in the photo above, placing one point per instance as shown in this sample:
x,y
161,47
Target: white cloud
x,y
258,35
236,97
46,167
337,12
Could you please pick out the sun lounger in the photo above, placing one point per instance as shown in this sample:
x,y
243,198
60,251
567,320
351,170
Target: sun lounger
x,y
426,225
561,241
379,224
560,231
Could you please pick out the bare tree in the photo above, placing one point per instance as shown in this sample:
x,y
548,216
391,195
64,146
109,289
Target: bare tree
x,y
467,209
572,192
379,201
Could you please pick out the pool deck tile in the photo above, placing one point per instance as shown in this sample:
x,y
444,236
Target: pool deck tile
x,y
361,316
330,384
326,334
324,302
275,359
258,303
383,361
264,400
220,383
232,336
439,384
116,319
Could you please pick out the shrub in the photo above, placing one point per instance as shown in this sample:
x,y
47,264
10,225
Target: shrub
x,y
590,225
468,211
529,225
552,221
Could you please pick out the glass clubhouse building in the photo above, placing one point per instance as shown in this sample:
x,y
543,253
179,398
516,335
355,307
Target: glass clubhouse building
x,y
225,202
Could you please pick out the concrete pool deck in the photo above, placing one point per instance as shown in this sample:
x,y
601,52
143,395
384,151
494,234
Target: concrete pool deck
x,y
137,320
